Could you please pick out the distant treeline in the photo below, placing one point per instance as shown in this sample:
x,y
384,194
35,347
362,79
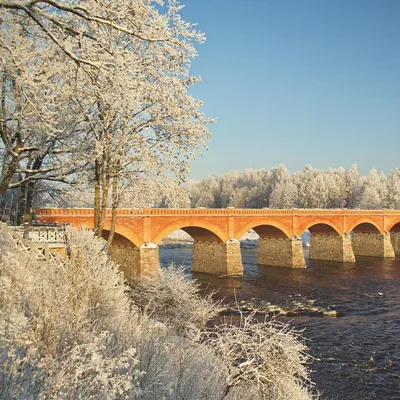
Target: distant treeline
x,y
273,188
309,188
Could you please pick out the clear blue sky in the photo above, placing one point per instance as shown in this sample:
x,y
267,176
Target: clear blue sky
x,y
299,82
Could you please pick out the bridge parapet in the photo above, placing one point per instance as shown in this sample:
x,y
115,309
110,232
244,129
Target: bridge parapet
x,y
39,234
217,211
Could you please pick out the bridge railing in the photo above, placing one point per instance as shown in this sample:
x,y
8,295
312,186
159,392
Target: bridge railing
x,y
88,212
38,234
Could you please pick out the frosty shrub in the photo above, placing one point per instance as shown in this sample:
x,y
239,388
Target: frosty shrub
x,y
175,301
178,368
72,330
62,324
263,359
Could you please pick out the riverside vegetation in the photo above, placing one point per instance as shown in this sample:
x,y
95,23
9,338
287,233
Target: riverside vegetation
x,y
73,330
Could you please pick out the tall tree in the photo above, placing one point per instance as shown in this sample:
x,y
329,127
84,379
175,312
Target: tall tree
x,y
373,191
393,186
354,184
35,126
128,69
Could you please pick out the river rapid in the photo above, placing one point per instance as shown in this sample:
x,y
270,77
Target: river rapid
x,y
350,314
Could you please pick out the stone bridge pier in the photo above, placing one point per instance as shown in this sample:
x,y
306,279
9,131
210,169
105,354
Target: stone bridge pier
x,y
327,245
217,257
368,241
395,238
277,249
372,244
213,255
134,261
137,262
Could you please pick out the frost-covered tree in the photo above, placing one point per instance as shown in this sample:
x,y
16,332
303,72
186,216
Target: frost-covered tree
x,y
335,180
126,78
205,199
373,192
370,199
284,195
309,188
312,188
254,187
284,192
393,189
354,184
38,136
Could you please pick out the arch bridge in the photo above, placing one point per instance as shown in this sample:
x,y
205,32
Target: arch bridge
x,y
336,235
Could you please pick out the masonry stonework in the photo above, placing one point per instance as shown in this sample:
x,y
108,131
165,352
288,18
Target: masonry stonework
x,y
217,258
280,252
137,262
331,248
234,264
372,245
127,258
149,266
395,238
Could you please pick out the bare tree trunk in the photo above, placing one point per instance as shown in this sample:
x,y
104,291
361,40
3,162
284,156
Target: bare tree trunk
x,y
9,163
105,188
101,190
30,190
9,167
97,197
22,203
115,203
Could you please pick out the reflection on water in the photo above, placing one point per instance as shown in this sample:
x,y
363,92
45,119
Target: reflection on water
x,y
366,293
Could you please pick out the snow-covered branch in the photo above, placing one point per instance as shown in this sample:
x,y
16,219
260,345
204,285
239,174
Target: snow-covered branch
x,y
113,102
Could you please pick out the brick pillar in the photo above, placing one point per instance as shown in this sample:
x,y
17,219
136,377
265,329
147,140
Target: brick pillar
x,y
234,264
372,244
331,248
217,257
395,238
149,261
127,257
281,252
137,262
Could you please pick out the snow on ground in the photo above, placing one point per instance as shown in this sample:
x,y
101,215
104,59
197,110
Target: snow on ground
x,y
180,236
249,239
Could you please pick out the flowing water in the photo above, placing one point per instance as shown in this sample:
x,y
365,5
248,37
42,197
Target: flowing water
x,y
350,314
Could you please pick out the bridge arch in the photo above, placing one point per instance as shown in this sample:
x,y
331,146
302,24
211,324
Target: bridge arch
x,y
365,226
123,237
395,237
328,244
200,230
265,228
395,227
275,246
321,226
368,238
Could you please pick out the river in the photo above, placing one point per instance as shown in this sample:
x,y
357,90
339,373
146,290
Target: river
x,y
350,314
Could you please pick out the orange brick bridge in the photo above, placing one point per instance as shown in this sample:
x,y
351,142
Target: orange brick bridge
x,y
336,235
